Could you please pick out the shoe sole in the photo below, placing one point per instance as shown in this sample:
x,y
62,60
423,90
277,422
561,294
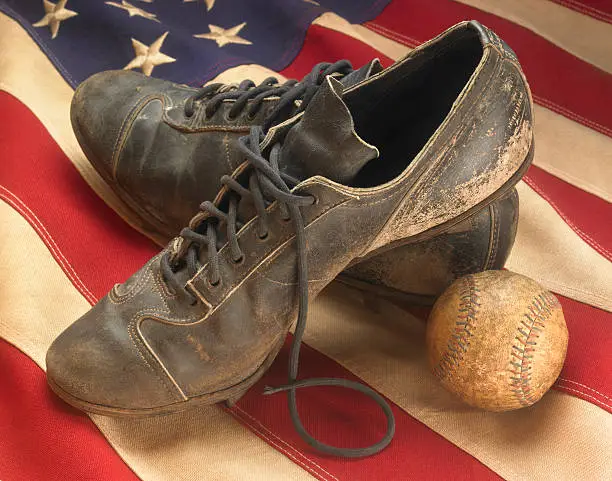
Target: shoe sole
x,y
387,292
229,395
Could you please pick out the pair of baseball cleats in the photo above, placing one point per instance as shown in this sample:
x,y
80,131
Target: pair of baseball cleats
x,y
398,180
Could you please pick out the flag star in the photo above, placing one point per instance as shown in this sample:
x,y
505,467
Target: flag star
x,y
209,3
133,11
54,14
148,57
223,36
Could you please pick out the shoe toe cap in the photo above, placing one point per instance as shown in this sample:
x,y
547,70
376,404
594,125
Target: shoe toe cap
x,y
100,111
99,367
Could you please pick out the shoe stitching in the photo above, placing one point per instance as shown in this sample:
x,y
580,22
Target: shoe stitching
x,y
130,329
160,291
126,128
263,259
493,240
117,298
152,353
227,152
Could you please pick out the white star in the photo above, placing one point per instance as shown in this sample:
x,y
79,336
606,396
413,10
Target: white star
x,y
54,14
209,3
148,57
132,10
223,37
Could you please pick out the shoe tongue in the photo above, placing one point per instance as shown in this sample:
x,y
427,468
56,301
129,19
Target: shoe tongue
x,y
324,142
356,76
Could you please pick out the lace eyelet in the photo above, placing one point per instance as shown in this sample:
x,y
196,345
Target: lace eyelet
x,y
315,200
210,284
263,237
250,116
189,113
238,261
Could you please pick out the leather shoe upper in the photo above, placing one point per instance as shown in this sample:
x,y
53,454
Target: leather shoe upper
x,y
161,155
205,314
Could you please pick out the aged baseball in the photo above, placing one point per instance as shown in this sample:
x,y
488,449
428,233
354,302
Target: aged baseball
x,y
497,340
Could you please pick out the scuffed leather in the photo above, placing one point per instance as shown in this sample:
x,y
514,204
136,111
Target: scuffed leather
x,y
164,164
143,346
490,126
159,161
427,268
102,358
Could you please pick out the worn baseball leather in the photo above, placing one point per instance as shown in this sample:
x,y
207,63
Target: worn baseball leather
x,y
497,340
436,138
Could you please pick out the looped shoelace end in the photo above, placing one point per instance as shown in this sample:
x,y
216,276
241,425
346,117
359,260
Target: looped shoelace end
x,y
273,390
326,448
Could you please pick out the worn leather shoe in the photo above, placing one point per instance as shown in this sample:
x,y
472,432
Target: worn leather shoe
x,y
163,147
399,157
419,272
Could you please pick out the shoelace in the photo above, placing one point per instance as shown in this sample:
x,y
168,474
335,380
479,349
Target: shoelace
x,y
266,184
288,92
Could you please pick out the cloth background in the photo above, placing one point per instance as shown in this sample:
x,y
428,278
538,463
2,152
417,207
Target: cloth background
x,y
64,243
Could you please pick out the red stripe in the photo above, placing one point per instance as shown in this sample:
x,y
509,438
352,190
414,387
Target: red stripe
x,y
599,9
97,244
559,81
588,215
101,250
589,354
43,438
336,46
17,204
340,416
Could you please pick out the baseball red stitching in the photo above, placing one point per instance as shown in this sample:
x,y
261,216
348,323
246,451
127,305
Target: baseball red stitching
x,y
529,330
460,341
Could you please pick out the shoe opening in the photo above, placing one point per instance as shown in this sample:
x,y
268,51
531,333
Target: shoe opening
x,y
399,112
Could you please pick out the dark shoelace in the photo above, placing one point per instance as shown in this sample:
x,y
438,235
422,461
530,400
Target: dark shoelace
x,y
268,184
288,92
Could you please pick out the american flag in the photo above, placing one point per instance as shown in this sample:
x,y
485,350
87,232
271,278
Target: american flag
x,y
64,244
